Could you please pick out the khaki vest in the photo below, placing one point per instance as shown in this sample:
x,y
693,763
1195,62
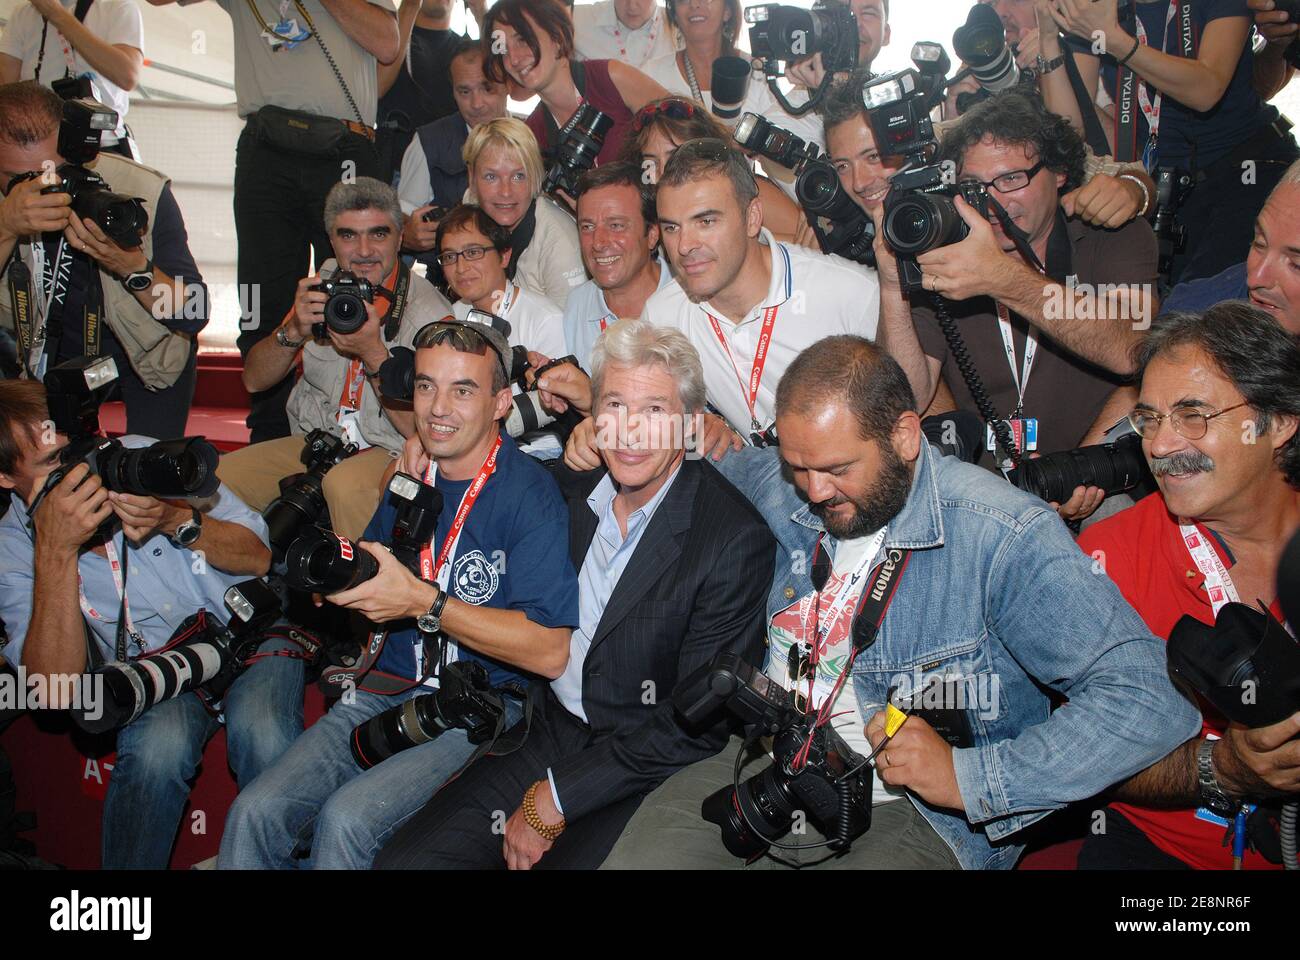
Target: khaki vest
x,y
157,354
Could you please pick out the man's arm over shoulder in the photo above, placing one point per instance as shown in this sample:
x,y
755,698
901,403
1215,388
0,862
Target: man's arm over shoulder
x,y
728,616
1123,712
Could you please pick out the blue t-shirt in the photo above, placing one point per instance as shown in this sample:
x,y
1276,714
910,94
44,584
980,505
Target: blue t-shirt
x,y
1184,133
513,554
1197,296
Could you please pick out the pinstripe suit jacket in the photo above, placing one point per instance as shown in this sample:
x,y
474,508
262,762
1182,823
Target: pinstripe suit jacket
x,y
695,587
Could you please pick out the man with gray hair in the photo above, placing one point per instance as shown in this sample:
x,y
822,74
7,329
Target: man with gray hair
x,y
1268,276
673,565
341,355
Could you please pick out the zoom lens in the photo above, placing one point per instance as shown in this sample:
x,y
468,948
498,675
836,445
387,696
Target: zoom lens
x,y
345,313
186,467
917,222
320,562
819,191
763,800
1114,467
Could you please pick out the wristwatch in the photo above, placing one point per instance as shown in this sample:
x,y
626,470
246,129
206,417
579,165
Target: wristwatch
x,y
141,279
190,530
1044,67
431,621
284,341
1212,794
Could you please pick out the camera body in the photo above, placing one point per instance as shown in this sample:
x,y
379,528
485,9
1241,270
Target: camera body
x,y
850,233
345,310
579,143
1172,187
827,780
780,34
182,467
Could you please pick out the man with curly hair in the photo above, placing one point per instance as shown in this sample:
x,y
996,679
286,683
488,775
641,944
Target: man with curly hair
x,y
1048,335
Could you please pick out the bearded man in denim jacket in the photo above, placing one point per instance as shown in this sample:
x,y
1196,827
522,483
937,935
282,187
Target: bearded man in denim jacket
x,y
993,599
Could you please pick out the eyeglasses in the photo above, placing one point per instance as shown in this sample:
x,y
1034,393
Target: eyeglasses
x,y
1011,181
1188,422
674,108
469,253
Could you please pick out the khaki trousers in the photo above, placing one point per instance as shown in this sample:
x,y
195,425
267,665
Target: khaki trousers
x,y
352,488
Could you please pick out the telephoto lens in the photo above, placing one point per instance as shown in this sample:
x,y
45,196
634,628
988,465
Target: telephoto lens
x,y
321,562
730,84
186,467
1114,467
981,43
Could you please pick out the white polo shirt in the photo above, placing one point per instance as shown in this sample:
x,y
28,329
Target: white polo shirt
x,y
598,35
535,322
813,296
586,315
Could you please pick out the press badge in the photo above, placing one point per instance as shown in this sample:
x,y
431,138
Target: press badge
x,y
348,420
1024,430
286,34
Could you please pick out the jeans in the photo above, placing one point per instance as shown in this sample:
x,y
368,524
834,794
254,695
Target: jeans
x,y
158,754
279,219
317,796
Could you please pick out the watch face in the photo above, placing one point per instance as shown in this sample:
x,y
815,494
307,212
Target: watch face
x,y
187,533
139,281
427,623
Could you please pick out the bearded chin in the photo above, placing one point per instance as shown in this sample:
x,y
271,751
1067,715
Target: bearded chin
x,y
881,504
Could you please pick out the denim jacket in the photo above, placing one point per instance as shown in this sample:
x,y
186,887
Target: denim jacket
x,y
996,595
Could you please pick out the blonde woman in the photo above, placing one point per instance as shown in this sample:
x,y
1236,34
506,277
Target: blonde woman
x,y
505,176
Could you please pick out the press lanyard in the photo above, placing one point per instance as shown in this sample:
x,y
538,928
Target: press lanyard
x,y
750,393
1009,348
1218,585
350,401
1150,107
115,566
430,571
847,589
508,299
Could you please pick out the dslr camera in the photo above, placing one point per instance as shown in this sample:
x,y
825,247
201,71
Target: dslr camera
x,y
831,784
579,143
203,655
345,310
123,219
302,495
184,467
981,43
841,226
919,211
779,34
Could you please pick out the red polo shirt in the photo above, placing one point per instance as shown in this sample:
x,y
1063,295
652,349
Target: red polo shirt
x,y
1142,550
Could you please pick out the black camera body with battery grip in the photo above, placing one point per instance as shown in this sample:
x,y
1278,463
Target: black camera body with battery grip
x,y
814,770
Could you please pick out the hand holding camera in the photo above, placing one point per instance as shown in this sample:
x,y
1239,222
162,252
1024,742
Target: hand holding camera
x,y
1278,21
393,593
142,517
421,230
71,513
1260,762
85,235
975,266
27,212
365,344
917,758
308,308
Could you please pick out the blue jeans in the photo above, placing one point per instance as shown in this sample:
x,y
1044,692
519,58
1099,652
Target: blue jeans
x,y
158,754
317,796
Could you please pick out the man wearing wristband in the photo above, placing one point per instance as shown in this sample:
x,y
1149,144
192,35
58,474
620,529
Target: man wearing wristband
x,y
339,387
495,588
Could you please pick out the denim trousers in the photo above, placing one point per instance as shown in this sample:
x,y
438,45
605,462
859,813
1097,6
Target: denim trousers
x,y
318,798
158,754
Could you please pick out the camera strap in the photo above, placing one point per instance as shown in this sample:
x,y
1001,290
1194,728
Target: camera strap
x,y
125,628
1218,584
20,301
82,8
521,236
578,72
430,570
1092,129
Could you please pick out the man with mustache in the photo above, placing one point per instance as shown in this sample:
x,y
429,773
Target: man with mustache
x,y
1218,409
339,387
1270,276
968,565
1048,339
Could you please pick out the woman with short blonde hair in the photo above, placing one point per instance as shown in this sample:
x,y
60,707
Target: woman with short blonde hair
x,y
505,179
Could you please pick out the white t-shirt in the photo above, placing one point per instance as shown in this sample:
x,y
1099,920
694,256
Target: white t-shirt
x,y
114,21
814,296
798,623
535,322
598,35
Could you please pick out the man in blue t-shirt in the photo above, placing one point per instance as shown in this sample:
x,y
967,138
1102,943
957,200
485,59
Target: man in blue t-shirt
x,y
501,591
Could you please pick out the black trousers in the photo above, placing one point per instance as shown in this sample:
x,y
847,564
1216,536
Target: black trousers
x,y
1124,847
279,220
460,828
1220,212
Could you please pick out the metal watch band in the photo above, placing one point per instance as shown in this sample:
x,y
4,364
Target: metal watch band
x,y
1212,794
284,341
